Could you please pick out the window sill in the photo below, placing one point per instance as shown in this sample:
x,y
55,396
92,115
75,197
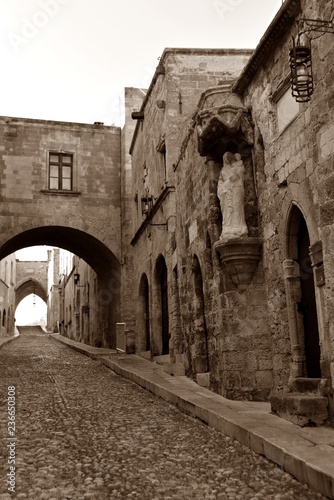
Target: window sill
x,y
60,192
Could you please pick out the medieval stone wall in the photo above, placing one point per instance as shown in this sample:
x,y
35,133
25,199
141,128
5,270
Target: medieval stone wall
x,y
234,323
296,184
79,298
133,98
34,271
185,213
53,290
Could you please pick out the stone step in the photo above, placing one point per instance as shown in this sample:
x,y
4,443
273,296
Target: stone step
x,y
30,330
306,385
145,354
203,379
301,409
176,369
162,359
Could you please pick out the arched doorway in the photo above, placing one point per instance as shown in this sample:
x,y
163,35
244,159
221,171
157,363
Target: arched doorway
x,y
299,249
161,280
97,255
143,316
201,360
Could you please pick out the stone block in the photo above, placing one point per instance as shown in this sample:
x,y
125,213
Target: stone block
x,y
265,362
264,379
203,379
300,409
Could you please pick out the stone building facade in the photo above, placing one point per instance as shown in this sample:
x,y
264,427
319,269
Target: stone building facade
x,y
53,291
246,311
78,302
293,157
163,118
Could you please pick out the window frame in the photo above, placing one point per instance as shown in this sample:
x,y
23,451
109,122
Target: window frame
x,y
60,165
276,97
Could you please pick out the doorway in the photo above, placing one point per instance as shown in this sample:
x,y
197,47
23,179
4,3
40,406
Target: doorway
x,y
307,305
162,289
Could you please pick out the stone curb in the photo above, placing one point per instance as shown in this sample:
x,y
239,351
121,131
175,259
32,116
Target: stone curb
x,y
306,453
7,340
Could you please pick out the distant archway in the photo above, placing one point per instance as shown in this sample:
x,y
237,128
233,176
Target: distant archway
x,y
96,254
28,287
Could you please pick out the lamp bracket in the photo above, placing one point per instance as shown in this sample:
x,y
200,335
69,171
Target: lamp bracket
x,y
314,25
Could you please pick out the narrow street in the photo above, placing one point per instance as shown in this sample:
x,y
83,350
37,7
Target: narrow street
x,y
82,432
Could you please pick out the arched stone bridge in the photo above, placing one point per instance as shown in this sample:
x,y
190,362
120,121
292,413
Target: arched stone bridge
x,y
60,186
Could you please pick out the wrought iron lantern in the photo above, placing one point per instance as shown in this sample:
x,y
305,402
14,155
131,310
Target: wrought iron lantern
x,y
301,71
146,205
300,56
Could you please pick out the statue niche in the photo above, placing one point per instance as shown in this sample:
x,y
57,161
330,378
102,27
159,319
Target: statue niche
x,y
239,252
226,137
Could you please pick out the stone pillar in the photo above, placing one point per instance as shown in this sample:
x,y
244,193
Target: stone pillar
x,y
316,255
293,297
214,219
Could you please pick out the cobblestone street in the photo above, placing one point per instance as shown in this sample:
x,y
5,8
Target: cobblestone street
x,y
85,433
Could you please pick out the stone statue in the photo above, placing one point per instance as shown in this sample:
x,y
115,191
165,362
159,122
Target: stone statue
x,y
231,194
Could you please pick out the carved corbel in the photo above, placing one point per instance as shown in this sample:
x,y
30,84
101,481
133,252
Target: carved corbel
x,y
219,125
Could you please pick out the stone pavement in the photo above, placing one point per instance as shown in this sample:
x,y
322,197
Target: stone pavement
x,y
83,432
306,453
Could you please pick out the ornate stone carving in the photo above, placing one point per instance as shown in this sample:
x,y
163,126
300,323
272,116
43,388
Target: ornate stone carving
x,y
240,258
220,123
225,131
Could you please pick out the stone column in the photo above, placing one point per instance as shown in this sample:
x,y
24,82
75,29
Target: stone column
x,y
316,255
293,297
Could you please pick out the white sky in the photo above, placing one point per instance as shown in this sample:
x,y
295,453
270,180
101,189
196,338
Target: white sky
x,y
39,252
31,310
70,60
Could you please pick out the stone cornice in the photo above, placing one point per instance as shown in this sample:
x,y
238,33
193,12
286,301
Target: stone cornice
x,y
277,28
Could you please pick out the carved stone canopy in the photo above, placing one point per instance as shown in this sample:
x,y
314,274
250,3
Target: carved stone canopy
x,y
224,123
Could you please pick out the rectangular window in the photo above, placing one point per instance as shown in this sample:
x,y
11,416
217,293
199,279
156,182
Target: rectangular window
x,y
287,110
61,171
